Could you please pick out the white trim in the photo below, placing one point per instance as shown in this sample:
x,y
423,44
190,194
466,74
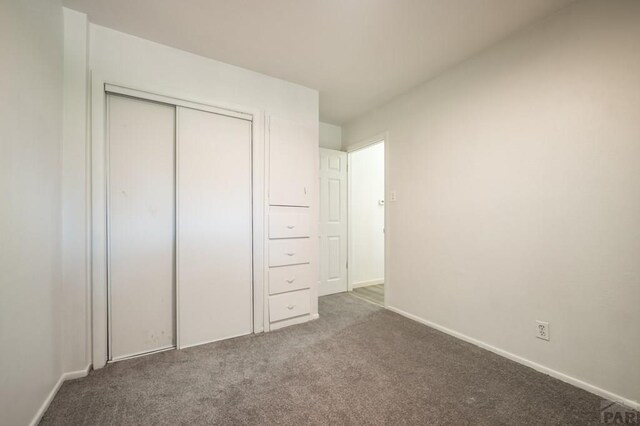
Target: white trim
x,y
367,283
169,100
107,168
88,219
205,342
357,296
259,182
315,316
98,223
47,402
300,319
63,377
264,272
70,375
139,354
176,228
99,191
349,226
387,251
524,361
258,178
380,137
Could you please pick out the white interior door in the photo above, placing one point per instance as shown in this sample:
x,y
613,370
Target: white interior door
x,y
333,221
141,226
214,227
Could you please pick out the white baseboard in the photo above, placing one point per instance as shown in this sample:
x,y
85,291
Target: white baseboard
x,y
64,376
290,321
76,374
191,345
315,317
538,367
47,402
368,283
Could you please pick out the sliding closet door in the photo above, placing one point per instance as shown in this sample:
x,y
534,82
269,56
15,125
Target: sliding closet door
x,y
214,226
141,226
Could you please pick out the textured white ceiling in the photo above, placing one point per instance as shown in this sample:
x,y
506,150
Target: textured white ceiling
x,y
358,53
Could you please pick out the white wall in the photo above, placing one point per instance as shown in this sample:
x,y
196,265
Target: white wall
x,y
518,182
366,216
330,136
31,50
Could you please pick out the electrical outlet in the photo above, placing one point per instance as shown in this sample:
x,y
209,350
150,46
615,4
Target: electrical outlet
x,y
542,330
393,196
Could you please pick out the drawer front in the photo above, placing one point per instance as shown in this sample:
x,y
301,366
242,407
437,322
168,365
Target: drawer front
x,y
289,252
289,222
289,278
289,305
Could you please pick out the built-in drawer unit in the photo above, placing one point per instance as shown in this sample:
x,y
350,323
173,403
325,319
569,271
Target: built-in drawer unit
x,y
289,222
289,305
289,278
289,252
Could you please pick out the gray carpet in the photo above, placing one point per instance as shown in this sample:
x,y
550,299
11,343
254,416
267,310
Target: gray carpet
x,y
357,364
372,293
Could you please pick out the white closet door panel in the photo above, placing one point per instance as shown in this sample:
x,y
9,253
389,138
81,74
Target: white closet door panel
x,y
214,227
141,226
292,154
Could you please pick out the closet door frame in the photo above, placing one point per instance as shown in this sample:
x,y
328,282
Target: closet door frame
x,y
98,317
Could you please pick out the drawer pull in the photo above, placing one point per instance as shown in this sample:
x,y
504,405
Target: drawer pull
x,y
290,254
290,307
291,280
290,226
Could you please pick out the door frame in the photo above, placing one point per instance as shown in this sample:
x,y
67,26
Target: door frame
x,y
98,164
380,137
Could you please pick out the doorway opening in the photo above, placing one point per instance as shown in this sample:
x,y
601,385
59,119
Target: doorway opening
x,y
352,218
366,212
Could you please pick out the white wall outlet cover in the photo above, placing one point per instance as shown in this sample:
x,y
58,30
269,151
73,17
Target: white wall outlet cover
x,y
393,196
542,330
